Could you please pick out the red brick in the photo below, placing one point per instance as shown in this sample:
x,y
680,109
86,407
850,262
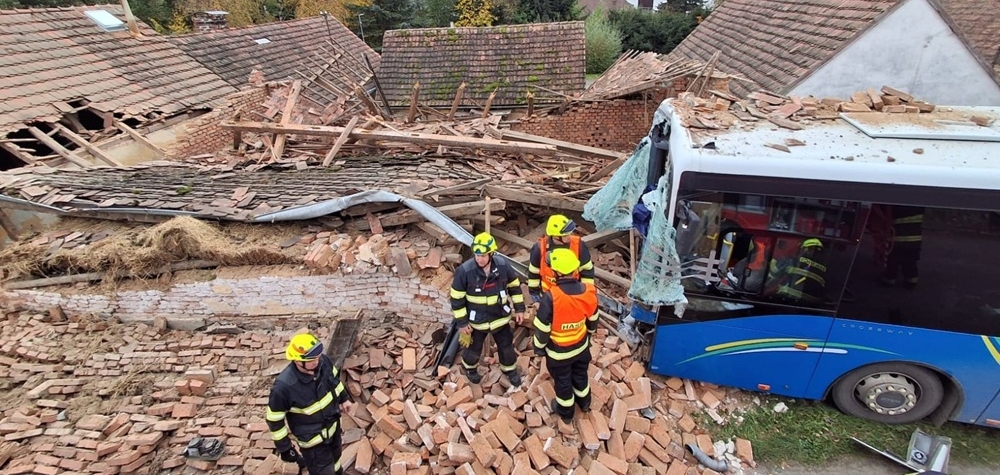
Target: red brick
x,y
184,410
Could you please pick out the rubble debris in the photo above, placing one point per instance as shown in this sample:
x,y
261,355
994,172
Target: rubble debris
x,y
134,397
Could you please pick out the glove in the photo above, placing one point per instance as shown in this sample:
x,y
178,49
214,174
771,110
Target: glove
x,y
540,351
464,340
290,456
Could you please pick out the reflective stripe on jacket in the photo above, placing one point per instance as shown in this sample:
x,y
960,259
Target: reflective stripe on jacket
x,y
304,407
484,301
907,224
541,277
567,313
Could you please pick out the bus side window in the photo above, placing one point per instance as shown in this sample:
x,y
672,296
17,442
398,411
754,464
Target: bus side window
x,y
744,262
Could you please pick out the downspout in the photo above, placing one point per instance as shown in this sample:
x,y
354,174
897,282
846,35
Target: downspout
x,y
133,27
720,466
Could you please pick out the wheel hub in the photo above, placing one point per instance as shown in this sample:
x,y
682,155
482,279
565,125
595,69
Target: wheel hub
x,y
886,393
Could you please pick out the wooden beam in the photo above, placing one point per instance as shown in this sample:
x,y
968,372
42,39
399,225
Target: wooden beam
x,y
92,276
414,96
160,153
607,170
513,239
91,148
612,278
367,101
8,225
58,148
489,102
344,136
603,237
531,104
458,100
450,189
452,211
20,154
407,137
562,146
549,200
286,117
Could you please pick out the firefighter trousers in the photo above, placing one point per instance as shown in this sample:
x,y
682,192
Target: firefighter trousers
x,y
504,338
903,257
571,382
324,459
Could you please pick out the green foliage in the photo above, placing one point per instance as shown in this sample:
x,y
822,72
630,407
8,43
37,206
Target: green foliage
x,y
549,10
474,13
814,433
435,13
659,32
680,6
604,42
381,16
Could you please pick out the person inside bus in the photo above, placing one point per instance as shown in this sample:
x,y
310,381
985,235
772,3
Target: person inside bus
x,y
904,250
800,276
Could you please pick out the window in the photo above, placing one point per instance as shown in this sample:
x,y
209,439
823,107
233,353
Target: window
x,y
105,20
773,250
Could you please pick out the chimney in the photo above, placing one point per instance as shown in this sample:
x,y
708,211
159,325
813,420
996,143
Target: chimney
x,y
133,27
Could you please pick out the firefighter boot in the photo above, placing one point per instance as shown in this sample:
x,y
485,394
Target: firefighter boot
x,y
473,375
514,377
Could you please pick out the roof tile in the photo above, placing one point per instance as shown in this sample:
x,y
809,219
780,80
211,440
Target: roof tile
x,y
515,58
58,54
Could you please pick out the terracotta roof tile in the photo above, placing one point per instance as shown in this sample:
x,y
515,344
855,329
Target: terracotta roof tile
x,y
979,22
294,45
58,54
515,57
775,42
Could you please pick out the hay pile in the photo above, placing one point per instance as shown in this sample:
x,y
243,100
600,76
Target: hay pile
x,y
137,252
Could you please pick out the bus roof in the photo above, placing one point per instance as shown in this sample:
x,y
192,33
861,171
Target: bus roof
x,y
947,148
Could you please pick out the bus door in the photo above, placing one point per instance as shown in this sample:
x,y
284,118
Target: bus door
x,y
737,345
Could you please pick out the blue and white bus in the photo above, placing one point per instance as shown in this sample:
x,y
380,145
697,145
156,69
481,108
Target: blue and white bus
x,y
858,259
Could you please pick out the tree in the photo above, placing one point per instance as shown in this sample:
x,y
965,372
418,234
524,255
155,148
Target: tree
x,y
435,13
659,32
551,10
604,42
474,13
680,6
378,17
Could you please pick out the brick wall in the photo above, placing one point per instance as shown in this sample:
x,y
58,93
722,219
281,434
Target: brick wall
x,y
613,125
264,296
203,134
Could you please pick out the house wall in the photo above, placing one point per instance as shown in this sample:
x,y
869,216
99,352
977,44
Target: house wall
x,y
204,135
282,292
913,50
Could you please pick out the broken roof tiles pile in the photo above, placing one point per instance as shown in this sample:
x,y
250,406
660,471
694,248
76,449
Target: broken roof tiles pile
x,y
135,401
279,49
112,70
548,59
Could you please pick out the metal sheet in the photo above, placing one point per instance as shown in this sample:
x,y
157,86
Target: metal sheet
x,y
921,126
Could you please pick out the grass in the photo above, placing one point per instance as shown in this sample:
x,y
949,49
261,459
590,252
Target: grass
x,y
814,433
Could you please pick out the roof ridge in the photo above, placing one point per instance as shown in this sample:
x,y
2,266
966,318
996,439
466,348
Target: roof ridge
x,y
16,11
517,27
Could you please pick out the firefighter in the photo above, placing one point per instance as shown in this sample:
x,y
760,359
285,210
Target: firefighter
x,y
558,234
306,402
482,293
800,278
907,240
567,316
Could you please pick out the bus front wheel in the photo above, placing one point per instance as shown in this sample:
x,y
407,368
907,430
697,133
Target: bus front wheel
x,y
892,393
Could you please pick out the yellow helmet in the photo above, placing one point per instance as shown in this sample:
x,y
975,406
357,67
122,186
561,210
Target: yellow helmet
x,y
812,242
563,261
484,244
303,347
559,225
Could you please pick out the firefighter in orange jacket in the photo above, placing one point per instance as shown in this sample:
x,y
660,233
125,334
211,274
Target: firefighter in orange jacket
x,y
558,235
567,316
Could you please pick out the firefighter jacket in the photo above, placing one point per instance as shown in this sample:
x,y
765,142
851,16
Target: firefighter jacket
x,y
800,278
907,224
484,301
306,407
540,275
567,315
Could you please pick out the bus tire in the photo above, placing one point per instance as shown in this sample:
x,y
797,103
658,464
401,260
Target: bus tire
x,y
892,393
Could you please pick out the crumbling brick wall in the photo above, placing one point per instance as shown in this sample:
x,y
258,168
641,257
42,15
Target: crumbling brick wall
x,y
266,296
613,125
203,134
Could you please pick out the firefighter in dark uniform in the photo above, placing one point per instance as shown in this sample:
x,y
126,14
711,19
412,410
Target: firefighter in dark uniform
x,y
305,403
907,239
567,316
482,295
558,234
801,278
